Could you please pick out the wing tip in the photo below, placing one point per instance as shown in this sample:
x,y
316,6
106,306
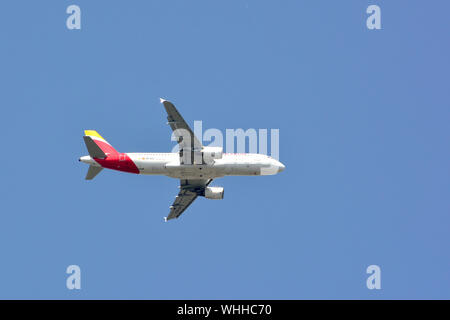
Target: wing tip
x,y
162,100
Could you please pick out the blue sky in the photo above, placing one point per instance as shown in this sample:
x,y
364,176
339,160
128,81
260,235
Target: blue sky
x,y
364,134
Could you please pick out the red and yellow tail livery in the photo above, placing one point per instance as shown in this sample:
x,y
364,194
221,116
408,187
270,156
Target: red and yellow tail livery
x,y
103,155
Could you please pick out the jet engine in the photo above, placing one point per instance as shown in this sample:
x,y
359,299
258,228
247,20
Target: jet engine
x,y
212,153
215,193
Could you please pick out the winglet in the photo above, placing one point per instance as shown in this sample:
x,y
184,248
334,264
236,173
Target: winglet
x,y
165,219
162,100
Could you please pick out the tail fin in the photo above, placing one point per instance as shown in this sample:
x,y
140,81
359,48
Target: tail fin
x,y
97,146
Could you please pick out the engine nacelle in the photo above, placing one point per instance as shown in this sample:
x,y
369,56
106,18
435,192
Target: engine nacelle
x,y
215,193
212,153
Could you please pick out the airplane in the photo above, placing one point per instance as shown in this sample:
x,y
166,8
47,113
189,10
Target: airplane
x,y
195,165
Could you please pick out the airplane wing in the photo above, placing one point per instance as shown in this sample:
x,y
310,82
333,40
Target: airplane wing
x,y
180,128
190,189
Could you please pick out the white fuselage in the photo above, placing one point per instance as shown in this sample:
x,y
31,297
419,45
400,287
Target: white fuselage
x,y
231,164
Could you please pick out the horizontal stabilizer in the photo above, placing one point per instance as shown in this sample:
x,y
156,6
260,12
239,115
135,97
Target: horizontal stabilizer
x,y
93,149
92,172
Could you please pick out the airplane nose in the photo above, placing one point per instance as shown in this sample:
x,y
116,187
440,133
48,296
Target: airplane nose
x,y
281,167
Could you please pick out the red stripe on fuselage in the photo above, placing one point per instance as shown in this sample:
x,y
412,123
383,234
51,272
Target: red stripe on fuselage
x,y
118,161
115,160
